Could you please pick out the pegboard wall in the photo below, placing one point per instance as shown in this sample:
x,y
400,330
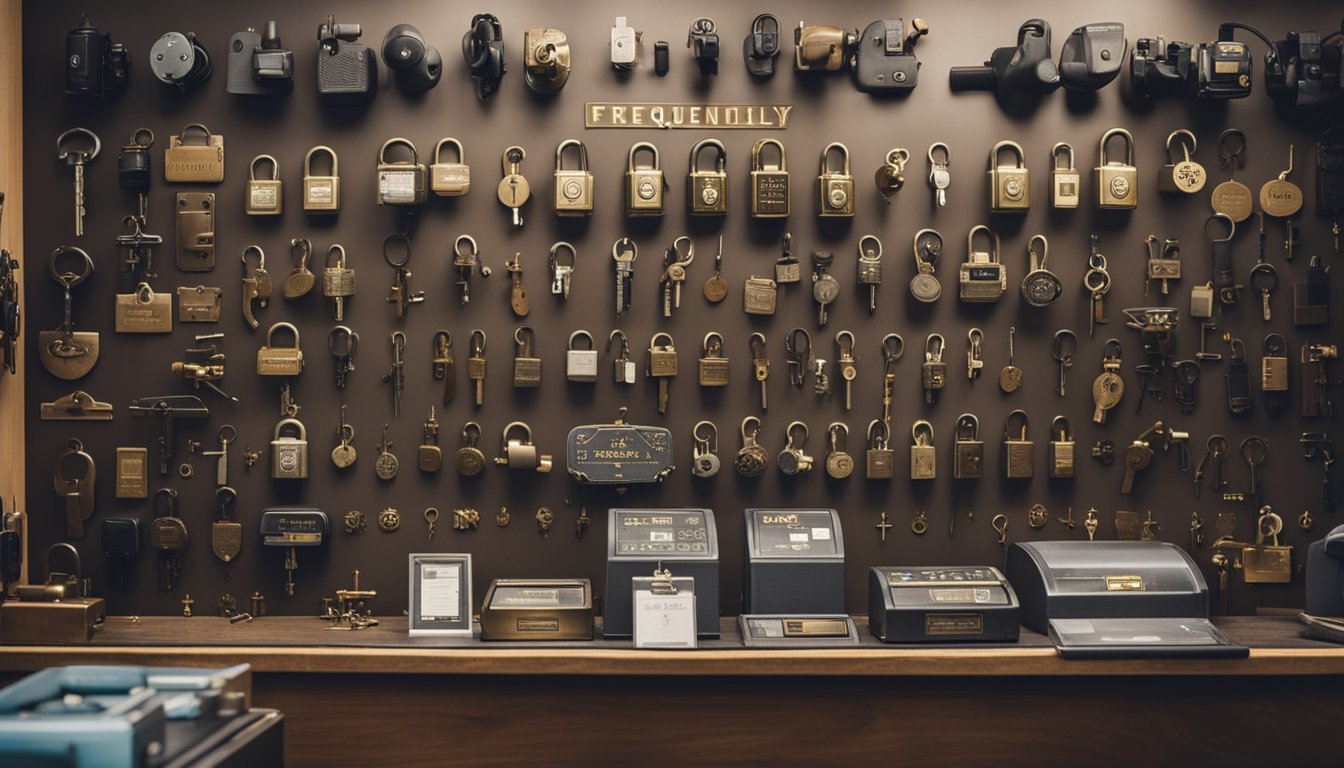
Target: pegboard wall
x,y
826,109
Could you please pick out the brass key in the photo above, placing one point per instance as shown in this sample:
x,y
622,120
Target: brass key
x,y
256,283
893,347
662,365
476,365
1065,345
674,273
1010,378
514,190
78,159
517,294
443,364
1097,281
844,340
760,364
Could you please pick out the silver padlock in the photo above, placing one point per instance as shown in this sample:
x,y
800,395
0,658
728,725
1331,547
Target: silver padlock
x,y
581,364
289,454
522,454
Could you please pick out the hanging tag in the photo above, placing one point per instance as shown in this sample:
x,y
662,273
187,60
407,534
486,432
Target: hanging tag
x,y
144,311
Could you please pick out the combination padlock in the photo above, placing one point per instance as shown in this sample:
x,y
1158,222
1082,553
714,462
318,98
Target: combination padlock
x,y
1117,182
265,197
526,363
707,191
321,194
573,187
450,179
835,189
644,186
1009,185
289,453
400,182
769,182
581,364
792,460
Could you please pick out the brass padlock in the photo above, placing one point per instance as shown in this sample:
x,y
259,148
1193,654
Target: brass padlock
x,y
526,365
1019,453
1062,448
1065,183
144,311
470,460
933,371
644,186
713,366
401,182
662,357
1186,176
573,187
707,191
338,280
923,454
1117,183
759,295
289,454
265,197
769,183
545,59
835,189
968,450
450,179
522,454
879,459
202,160
1267,563
787,268
280,361
430,455
321,194
581,364
1009,185
982,277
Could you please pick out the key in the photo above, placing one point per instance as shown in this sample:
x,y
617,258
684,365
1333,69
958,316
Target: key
x,y
760,363
1198,478
396,374
1217,445
1010,377
940,178
798,352
78,158
476,365
1254,450
848,370
1264,279
1148,374
341,342
517,293
674,273
1065,345
226,435
893,346
1097,281
514,190
432,519
974,359
442,363
624,253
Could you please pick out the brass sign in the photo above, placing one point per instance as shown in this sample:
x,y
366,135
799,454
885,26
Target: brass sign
x,y
627,114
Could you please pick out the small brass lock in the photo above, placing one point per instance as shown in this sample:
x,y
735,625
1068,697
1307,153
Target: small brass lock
x,y
713,366
1065,183
707,191
321,194
982,277
792,460
759,296
526,365
1009,185
430,455
265,197
1062,448
1019,453
522,454
400,182
1186,176
546,62
769,182
470,460
573,187
644,186
1117,182
879,459
933,371
289,454
338,281
923,454
835,189
197,160
1267,562
280,361
968,459
450,179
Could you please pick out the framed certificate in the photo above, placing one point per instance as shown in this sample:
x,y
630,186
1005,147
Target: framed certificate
x,y
440,593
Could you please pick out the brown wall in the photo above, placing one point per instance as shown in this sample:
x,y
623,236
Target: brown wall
x,y
827,109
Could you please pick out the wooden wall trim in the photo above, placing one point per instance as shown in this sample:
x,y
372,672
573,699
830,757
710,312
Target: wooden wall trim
x,y
11,236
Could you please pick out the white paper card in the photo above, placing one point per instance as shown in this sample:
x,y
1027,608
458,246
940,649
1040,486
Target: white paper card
x,y
664,621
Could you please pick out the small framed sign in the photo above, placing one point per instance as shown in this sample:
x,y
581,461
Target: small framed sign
x,y
664,611
440,593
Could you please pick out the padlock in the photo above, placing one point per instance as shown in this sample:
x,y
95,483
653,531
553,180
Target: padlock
x,y
401,182
769,183
643,186
879,459
662,357
759,295
526,365
707,191
321,194
198,161
144,311
289,454
280,361
835,189
265,197
704,454
870,264
546,62
1009,185
624,370
1117,183
1062,448
573,187
1186,176
792,460
968,450
1267,563
522,454
982,277
1274,372
1065,183
713,366
923,454
133,164
787,268
470,459
450,179
338,280
581,364
430,455
933,371
1019,453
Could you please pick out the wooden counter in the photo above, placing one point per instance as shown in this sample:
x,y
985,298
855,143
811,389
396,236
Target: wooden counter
x,y
361,698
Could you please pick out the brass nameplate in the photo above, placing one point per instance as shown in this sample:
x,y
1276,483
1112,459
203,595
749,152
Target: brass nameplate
x,y
954,624
1124,583
815,628
132,473
630,114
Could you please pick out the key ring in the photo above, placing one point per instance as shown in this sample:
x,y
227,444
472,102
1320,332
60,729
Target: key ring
x,y
1066,343
136,141
750,429
1097,280
947,153
387,256
893,347
1226,153
624,250
70,279
1254,450
795,349
226,437
710,439
62,153
673,257
261,260
1217,445
431,515
1231,228
1000,525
